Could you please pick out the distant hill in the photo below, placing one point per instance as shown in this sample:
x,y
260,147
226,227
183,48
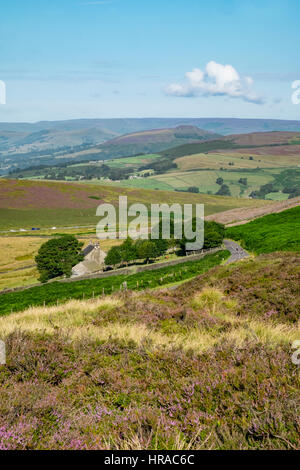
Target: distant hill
x,y
28,144
224,126
95,131
14,141
152,141
44,147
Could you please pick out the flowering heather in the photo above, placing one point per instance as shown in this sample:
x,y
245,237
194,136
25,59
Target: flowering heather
x,y
199,367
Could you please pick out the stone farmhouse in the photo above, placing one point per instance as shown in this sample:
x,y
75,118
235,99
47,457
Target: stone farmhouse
x,y
93,260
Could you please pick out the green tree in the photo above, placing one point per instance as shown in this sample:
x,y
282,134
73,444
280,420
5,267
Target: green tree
x,y
57,257
213,235
161,246
224,191
113,257
147,250
193,189
128,251
220,181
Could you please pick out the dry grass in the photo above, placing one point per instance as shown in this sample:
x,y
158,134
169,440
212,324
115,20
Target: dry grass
x,y
149,370
17,253
220,160
242,328
17,258
77,320
74,315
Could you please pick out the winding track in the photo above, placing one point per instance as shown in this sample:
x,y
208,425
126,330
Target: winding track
x,y
237,252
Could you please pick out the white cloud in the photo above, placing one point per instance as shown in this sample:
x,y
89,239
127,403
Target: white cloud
x,y
215,80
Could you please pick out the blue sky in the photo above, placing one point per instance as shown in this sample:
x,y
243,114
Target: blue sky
x,y
65,59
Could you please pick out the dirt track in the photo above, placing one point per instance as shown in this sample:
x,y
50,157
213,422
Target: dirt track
x,y
242,216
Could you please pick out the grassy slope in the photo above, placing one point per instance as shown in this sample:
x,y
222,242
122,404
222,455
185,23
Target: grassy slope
x,y
60,292
274,232
42,204
205,180
241,216
195,368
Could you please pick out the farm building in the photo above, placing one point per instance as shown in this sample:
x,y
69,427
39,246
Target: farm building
x,y
93,260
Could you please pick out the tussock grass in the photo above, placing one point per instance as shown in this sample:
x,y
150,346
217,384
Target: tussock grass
x,y
171,369
243,329
73,314
78,321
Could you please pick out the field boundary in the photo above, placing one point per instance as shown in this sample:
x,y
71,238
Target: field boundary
x,y
123,271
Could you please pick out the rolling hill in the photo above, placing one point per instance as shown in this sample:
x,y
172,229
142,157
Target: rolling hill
x,y
260,165
153,141
28,143
25,204
273,232
49,146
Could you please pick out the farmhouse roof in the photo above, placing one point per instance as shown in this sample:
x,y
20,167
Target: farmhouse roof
x,y
88,250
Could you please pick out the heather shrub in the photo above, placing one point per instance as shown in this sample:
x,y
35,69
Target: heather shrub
x,y
205,366
115,395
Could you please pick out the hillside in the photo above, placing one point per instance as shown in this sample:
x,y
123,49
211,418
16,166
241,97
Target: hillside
x,y
241,216
206,366
155,140
273,232
43,204
25,144
258,165
146,142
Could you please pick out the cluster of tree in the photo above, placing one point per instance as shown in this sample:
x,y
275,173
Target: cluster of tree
x,y
150,249
293,192
263,191
190,189
192,149
88,172
243,181
57,257
224,190
213,235
131,250
159,165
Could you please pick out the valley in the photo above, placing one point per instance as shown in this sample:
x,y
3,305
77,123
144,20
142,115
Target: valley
x,y
213,330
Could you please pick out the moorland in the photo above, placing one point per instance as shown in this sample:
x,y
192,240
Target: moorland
x,y
196,355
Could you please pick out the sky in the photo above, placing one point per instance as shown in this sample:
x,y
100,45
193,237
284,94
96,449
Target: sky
x,y
69,59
